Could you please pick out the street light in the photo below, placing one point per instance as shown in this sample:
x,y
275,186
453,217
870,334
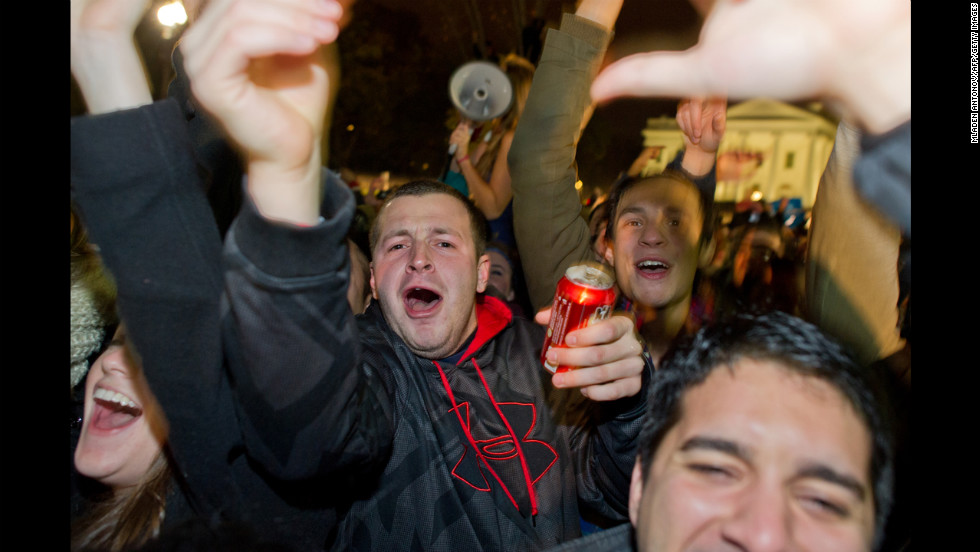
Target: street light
x,y
171,16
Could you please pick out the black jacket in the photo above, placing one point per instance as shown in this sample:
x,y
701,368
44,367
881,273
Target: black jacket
x,y
138,189
483,454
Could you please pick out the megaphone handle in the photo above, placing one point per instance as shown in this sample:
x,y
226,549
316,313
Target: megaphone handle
x,y
462,120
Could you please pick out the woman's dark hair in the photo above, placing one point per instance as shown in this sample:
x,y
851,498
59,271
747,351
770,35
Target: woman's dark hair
x,y
126,519
86,267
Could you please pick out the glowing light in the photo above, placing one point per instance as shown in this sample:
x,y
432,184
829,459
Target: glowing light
x,y
578,185
756,195
350,128
172,14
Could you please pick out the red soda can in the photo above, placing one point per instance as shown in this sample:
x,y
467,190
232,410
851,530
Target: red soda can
x,y
584,295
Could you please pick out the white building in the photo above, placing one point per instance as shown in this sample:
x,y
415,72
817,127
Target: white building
x,y
794,145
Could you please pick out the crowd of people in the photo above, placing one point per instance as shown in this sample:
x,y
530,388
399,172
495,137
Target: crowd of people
x,y
263,359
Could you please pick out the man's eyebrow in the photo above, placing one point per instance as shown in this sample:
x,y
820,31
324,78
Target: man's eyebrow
x,y
394,233
670,210
721,445
444,231
631,209
674,210
830,475
440,231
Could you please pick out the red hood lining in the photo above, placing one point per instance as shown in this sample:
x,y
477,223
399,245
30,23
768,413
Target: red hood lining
x,y
492,316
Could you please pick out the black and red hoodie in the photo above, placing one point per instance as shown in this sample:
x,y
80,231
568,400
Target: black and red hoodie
x,y
483,454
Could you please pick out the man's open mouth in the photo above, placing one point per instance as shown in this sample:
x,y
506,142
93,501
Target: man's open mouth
x,y
113,410
421,300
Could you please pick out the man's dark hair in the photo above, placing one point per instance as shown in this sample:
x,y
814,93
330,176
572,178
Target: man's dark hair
x,y
795,344
623,185
418,188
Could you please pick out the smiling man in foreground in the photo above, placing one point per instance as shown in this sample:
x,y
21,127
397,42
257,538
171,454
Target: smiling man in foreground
x,y
765,435
657,223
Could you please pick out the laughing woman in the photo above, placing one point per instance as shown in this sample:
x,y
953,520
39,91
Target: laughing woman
x,y
161,438
122,447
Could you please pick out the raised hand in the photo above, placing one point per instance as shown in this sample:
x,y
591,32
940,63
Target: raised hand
x,y
856,55
104,60
702,122
257,66
106,17
254,65
459,140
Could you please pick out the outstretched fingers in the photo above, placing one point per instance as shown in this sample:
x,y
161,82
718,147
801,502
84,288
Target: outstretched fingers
x,y
655,74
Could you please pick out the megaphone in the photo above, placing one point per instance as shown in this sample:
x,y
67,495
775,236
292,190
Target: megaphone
x,y
480,91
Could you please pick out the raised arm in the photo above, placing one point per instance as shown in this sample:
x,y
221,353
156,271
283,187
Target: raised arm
x,y
136,186
257,66
551,234
702,123
601,12
851,265
290,336
104,59
492,196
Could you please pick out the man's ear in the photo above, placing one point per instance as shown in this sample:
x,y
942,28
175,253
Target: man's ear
x,y
608,254
636,492
482,273
374,290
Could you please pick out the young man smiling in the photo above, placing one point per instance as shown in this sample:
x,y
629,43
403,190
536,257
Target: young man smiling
x,y
765,435
654,238
655,223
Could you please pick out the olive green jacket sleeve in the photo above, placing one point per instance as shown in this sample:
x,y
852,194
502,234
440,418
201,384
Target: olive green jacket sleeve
x,y
551,233
851,270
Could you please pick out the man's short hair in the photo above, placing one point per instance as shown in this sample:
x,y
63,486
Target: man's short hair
x,y
626,183
417,188
793,343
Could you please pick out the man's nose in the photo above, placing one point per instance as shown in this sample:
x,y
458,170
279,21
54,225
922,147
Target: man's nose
x,y
654,233
421,261
761,522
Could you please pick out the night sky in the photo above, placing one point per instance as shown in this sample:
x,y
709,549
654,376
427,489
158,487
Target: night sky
x,y
397,57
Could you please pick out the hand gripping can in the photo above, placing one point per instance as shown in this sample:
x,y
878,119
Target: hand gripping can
x,y
584,295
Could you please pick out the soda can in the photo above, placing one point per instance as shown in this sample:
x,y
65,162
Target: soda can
x,y
585,294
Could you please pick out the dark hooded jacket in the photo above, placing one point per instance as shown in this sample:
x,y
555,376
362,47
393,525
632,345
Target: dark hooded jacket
x,y
481,454
138,189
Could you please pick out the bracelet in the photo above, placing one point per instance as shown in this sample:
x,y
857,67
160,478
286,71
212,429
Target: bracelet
x,y
465,158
